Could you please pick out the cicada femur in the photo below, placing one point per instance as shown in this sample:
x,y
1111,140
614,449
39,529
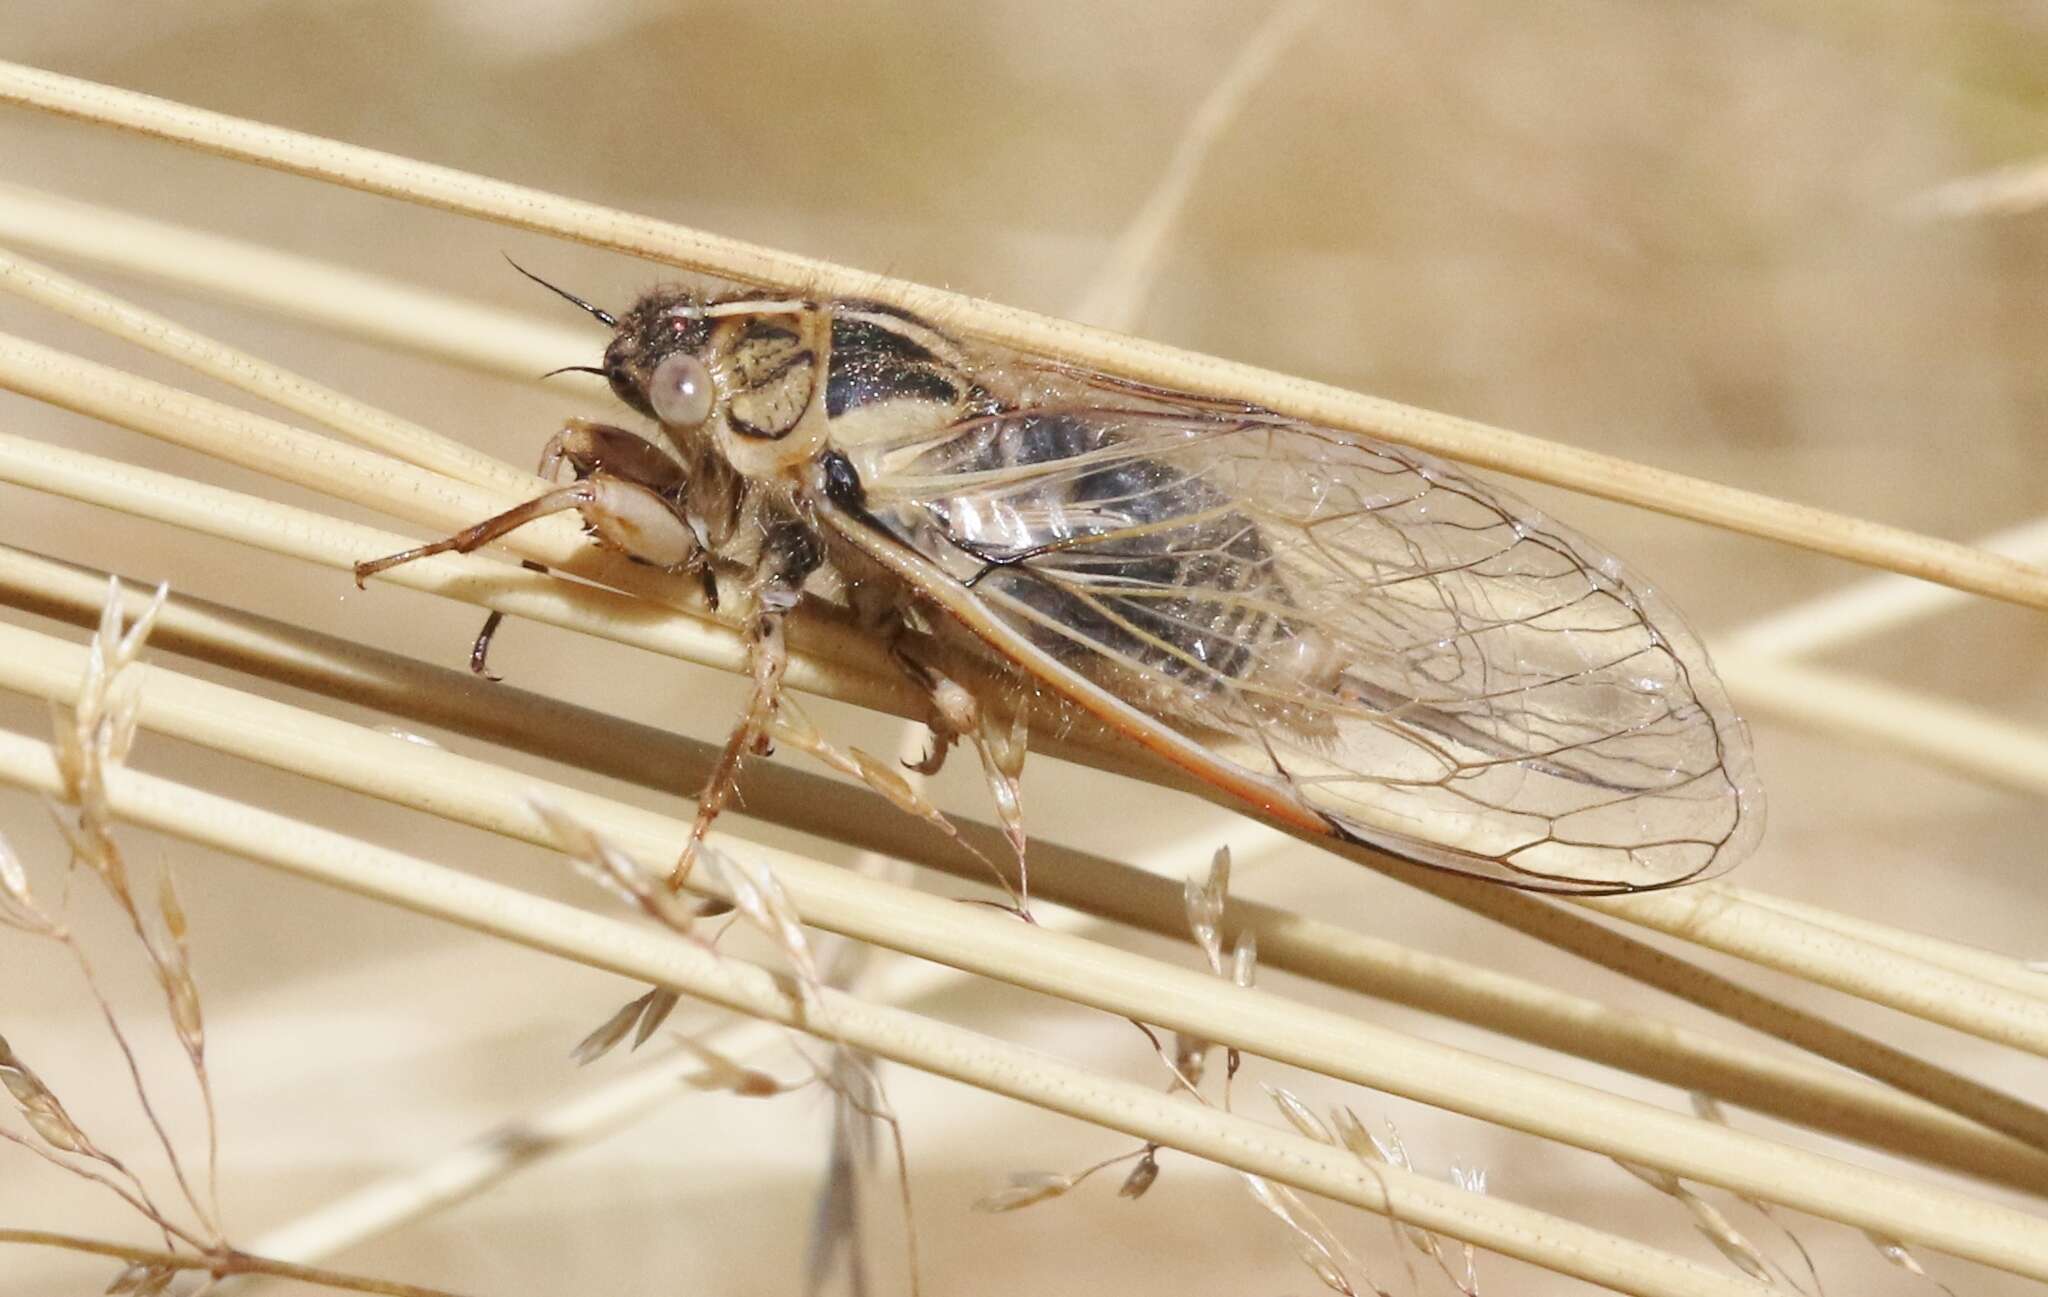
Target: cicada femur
x,y
1354,638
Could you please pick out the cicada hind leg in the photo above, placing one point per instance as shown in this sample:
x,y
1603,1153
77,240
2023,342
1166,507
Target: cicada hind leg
x,y
629,492
1000,736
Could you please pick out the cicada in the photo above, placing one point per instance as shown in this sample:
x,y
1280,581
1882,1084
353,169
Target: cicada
x,y
1354,639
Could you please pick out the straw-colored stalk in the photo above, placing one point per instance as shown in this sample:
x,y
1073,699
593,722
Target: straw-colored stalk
x,y
411,473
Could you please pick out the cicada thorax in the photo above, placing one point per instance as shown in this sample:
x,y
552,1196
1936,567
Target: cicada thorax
x,y
1152,562
770,367
793,377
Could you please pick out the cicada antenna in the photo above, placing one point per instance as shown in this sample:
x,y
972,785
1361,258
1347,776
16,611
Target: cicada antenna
x,y
604,317
577,369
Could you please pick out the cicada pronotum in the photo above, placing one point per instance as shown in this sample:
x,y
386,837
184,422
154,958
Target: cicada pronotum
x,y
1356,639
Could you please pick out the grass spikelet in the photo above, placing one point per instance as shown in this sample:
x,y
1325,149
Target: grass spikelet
x,y
1713,1225
90,738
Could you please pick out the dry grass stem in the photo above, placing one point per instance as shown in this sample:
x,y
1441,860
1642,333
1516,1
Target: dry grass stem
x,y
1254,1021
483,339
663,959
144,1261
2010,190
1983,965
1724,921
297,456
1747,931
1131,268
359,422
1855,539
1657,1048
500,1151
1873,606
1964,740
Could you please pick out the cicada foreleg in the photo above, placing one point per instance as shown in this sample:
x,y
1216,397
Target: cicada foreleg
x,y
789,554
629,492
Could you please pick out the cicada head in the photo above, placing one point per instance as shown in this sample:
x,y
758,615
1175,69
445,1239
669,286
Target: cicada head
x,y
657,361
743,376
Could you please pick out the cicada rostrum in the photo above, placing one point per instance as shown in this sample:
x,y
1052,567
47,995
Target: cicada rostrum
x,y
1356,639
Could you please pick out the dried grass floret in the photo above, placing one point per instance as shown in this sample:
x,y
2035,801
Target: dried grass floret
x,y
18,907
1204,901
1321,1250
639,1018
1707,1108
91,736
1712,1224
41,1108
759,898
1352,1135
1899,1255
642,888
1298,1115
724,1073
1142,1175
142,1279
1028,1188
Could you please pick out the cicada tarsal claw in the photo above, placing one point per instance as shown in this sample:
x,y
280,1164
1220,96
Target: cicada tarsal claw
x,y
1000,735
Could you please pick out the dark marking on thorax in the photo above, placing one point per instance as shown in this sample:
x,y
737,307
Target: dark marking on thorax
x,y
873,363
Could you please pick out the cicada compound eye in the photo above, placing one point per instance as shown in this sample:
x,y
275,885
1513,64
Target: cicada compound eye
x,y
680,392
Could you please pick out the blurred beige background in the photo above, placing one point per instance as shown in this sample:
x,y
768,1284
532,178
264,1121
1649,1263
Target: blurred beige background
x,y
1667,231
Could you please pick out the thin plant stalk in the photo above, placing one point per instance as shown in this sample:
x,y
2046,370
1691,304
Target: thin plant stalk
x,y
1174,998
1944,734
1792,1090
526,594
218,1264
1752,933
1874,605
1963,740
663,959
1850,538
342,299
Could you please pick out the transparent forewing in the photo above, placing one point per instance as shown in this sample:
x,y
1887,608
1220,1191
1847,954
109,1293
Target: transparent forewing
x,y
1425,661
